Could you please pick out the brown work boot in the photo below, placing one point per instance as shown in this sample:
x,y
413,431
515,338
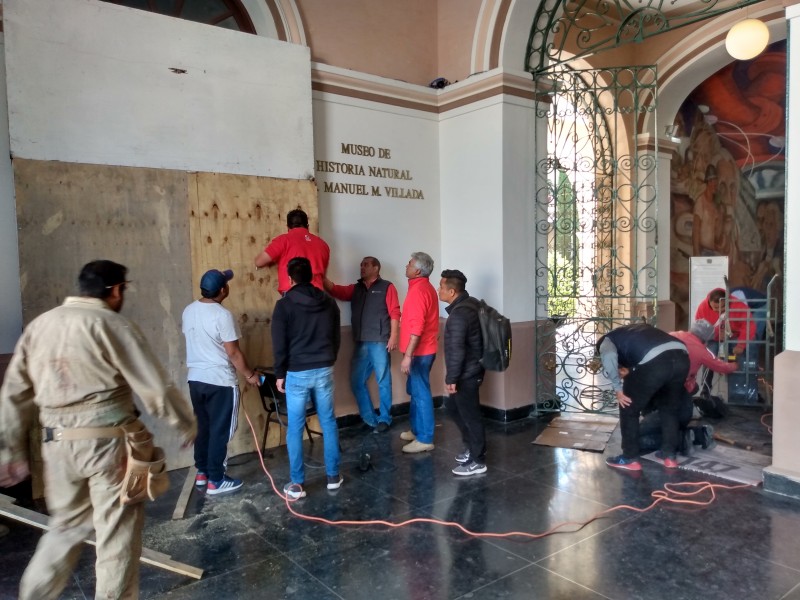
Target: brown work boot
x,y
417,446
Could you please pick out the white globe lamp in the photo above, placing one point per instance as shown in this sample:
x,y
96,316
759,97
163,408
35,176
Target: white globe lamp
x,y
747,39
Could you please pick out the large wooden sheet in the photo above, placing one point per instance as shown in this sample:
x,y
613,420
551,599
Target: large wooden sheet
x,y
168,228
232,219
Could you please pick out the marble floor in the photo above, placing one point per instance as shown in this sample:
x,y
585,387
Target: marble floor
x,y
746,545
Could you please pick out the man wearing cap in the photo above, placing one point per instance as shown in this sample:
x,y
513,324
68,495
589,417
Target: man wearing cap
x,y
213,357
298,241
78,365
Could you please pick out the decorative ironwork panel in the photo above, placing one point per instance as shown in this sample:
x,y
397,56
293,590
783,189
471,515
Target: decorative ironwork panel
x,y
585,27
595,225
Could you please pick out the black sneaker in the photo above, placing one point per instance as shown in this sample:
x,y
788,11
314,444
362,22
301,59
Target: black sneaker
x,y
381,428
687,442
708,437
464,457
223,486
335,481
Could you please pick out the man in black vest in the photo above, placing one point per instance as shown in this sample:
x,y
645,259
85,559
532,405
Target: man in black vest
x,y
645,365
376,322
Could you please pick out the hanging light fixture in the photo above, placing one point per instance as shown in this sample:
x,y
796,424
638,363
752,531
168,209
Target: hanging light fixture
x,y
747,39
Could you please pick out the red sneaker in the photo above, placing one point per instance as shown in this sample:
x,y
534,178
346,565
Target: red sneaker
x,y
201,479
669,461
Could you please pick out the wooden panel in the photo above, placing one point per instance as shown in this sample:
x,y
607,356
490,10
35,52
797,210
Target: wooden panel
x,y
232,219
69,214
168,228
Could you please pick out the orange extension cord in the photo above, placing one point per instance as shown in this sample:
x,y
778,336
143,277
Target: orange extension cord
x,y
671,494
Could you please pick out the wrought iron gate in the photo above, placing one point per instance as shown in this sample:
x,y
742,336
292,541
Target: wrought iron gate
x,y
596,224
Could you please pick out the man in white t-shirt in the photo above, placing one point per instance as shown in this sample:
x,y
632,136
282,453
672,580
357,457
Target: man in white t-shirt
x,y
213,357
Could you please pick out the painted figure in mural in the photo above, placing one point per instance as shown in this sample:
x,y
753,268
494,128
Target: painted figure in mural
x,y
769,219
707,217
376,327
298,241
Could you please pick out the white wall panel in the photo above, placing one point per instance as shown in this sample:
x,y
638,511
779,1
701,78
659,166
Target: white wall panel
x,y
356,225
10,301
98,83
472,197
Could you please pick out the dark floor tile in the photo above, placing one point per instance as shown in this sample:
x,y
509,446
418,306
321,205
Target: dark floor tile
x,y
533,582
276,577
520,504
671,554
414,562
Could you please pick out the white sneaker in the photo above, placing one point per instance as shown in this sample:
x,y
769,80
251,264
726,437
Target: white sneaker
x,y
294,491
408,436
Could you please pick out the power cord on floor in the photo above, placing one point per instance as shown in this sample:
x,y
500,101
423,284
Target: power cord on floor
x,y
671,494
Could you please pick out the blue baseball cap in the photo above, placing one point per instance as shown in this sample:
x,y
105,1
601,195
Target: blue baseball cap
x,y
214,280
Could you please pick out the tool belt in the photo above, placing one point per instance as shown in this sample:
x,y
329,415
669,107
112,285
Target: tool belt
x,y
145,467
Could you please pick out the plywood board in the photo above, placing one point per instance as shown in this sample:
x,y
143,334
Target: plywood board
x,y
168,228
69,214
232,218
578,431
149,557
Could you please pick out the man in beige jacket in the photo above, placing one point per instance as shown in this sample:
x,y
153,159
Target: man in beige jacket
x,y
79,364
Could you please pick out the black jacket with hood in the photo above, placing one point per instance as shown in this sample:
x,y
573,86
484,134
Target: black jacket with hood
x,y
463,341
305,330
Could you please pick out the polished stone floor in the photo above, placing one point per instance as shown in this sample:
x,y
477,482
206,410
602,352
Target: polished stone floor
x,y
746,545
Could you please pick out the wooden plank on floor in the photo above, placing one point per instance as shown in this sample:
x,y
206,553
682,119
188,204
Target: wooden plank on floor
x,y
186,492
150,557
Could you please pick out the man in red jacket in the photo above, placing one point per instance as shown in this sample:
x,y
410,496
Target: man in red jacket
x,y
737,322
297,242
419,332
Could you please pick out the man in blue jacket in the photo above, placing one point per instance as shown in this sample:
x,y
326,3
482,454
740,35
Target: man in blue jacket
x,y
463,348
305,341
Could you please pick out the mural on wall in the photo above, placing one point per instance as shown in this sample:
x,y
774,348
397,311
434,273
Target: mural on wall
x,y
727,178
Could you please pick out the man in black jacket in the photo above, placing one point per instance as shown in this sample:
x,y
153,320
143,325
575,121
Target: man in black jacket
x,y
647,369
305,341
463,348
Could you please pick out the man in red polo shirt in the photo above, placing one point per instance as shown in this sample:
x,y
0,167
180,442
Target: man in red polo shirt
x,y
298,241
419,332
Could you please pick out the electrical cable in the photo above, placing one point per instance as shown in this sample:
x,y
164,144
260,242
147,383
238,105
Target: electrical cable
x,y
671,494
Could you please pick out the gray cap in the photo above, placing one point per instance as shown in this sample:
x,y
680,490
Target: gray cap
x,y
702,329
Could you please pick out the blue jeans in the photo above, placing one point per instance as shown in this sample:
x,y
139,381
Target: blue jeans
x,y
369,357
418,386
299,385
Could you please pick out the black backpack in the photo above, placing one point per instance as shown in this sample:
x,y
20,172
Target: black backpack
x,y
496,333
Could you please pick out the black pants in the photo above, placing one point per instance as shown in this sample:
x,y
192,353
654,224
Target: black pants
x,y
216,423
657,384
465,408
650,426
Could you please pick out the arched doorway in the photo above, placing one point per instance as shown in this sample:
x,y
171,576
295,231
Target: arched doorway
x,y
596,202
